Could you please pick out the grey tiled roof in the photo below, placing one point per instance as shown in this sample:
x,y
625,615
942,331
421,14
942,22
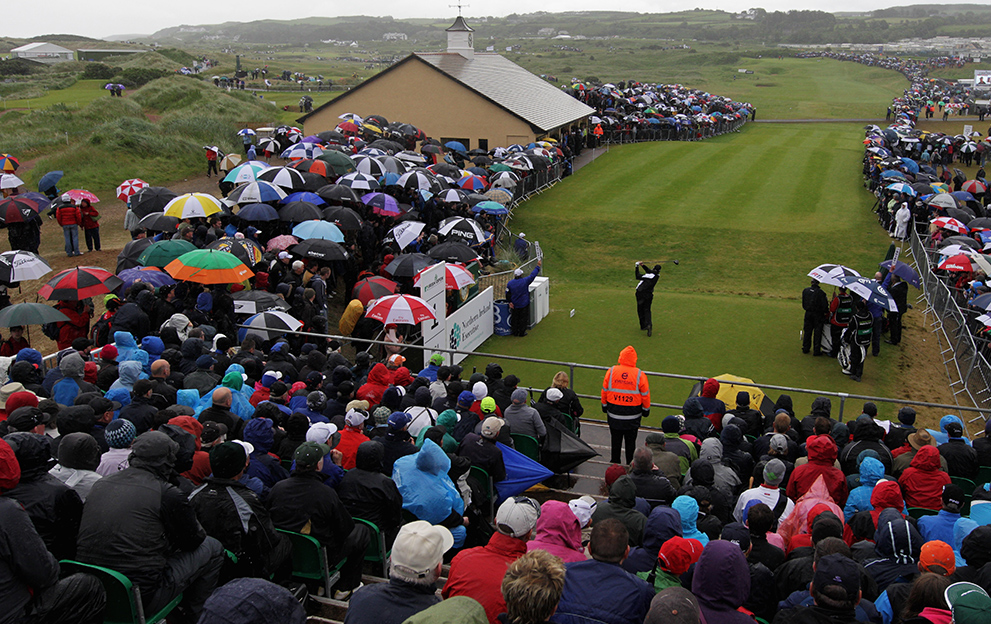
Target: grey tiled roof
x,y
511,87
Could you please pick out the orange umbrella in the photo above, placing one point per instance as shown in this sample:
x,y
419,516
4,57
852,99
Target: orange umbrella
x,y
208,266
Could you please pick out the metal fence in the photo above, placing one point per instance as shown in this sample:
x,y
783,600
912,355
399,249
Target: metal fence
x,y
964,357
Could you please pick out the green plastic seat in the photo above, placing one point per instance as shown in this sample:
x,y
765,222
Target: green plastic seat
x,y
984,475
965,484
484,480
309,560
918,512
377,552
528,445
123,597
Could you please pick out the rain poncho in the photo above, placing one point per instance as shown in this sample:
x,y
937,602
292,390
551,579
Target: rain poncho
x,y
448,418
125,344
127,373
234,380
722,583
961,529
65,390
428,493
797,522
941,436
179,322
688,509
860,497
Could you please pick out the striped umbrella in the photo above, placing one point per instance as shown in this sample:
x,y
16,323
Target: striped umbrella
x,y
369,166
18,209
130,187
192,205
473,183
301,150
318,167
418,181
456,276
255,193
400,309
359,182
254,301
974,187
949,223
371,288
8,164
286,178
268,325
228,162
901,187
18,266
870,291
248,172
208,266
831,273
453,196
465,229
80,283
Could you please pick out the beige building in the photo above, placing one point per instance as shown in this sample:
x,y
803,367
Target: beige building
x,y
480,99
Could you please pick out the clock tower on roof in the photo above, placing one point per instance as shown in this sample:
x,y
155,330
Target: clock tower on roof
x,y
460,38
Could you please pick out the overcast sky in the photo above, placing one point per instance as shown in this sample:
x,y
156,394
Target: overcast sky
x,y
102,18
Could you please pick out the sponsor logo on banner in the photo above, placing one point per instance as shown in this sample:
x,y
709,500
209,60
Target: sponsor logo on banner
x,y
471,325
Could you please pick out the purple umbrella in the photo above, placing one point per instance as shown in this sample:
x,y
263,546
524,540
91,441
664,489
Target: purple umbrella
x,y
312,139
903,271
148,275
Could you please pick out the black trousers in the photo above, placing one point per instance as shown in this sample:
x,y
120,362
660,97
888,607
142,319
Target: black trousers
x,y
857,360
76,599
211,167
519,320
92,238
354,553
895,327
835,331
812,334
643,310
621,431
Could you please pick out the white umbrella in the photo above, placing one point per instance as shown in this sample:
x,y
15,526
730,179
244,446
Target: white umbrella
x,y
870,291
17,266
271,324
465,229
9,181
406,232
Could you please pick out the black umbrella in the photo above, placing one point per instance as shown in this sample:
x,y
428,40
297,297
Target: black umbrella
x,y
151,199
320,249
338,194
408,265
386,145
255,301
128,256
961,240
378,120
446,169
963,213
299,211
331,136
345,218
981,223
157,222
453,252
313,181
30,314
563,450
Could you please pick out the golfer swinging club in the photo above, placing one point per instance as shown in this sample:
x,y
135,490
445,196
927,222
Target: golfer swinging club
x,y
645,293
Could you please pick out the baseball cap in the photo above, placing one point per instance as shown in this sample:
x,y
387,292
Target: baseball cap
x,y
399,421
517,516
212,431
737,533
678,554
969,603
518,396
954,429
837,570
938,553
249,448
774,472
323,433
488,405
395,360
491,427
309,454
103,405
479,390
26,418
466,398
953,495
779,443
583,508
284,255
356,418
437,358
419,548
518,272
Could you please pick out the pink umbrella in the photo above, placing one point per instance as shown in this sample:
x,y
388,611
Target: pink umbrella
x,y
456,276
77,195
400,309
281,243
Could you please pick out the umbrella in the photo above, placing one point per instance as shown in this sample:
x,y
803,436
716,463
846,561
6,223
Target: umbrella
x,y
870,291
163,252
10,181
151,199
267,144
901,187
942,200
228,162
903,271
146,275
460,227
456,277
339,163
490,207
281,243
982,301
192,205
371,288
254,301
400,309
963,214
473,183
345,218
258,212
157,222
318,229
453,251
369,166
731,384
127,188
128,257
78,195
258,192
208,266
299,211
283,177
456,146
964,262
417,181
16,209
408,265
338,194
304,196
30,314
18,266
453,196
302,150
268,325
320,249
500,195
411,157
8,164
49,180
960,240
80,283
244,249
382,204
522,473
406,232
949,223
246,132
963,196
974,187
563,450
248,172
359,182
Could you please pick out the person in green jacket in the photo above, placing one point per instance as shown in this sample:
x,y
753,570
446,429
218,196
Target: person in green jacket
x,y
454,610
675,557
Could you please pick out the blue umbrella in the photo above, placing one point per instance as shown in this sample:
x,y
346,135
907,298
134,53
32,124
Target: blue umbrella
x,y
982,301
246,132
522,473
869,290
901,187
305,196
490,207
318,229
910,165
963,196
892,173
903,271
258,212
49,180
456,146
389,179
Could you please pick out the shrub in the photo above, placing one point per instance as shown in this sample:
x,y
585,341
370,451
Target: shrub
x,y
99,71
138,76
17,67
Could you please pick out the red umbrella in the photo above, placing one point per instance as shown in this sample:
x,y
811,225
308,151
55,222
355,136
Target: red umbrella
x,y
80,283
400,309
974,187
949,223
959,263
347,127
129,187
372,288
456,276
18,209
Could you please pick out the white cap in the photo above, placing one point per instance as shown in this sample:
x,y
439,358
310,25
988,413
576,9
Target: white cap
x,y
354,418
419,548
320,432
517,516
518,272
554,394
248,447
480,390
583,508
522,235
284,255
297,265
491,427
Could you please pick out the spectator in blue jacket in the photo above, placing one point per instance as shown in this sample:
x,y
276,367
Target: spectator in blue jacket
x,y
940,526
518,293
430,371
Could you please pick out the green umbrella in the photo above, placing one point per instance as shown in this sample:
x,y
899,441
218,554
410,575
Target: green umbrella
x,y
337,161
30,314
164,252
500,167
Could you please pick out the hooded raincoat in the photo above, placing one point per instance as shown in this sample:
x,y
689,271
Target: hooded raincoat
x,y
688,510
558,532
822,454
620,505
722,583
923,481
428,493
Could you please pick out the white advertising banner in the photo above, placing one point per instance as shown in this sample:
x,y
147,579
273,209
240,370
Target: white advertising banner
x,y
982,77
471,325
433,291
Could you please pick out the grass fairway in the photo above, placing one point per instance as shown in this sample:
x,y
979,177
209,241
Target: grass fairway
x,y
747,214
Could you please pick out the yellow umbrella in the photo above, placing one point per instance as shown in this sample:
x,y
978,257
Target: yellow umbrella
x,y
192,205
728,390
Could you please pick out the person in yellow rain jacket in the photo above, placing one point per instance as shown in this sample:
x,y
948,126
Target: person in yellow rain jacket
x,y
625,400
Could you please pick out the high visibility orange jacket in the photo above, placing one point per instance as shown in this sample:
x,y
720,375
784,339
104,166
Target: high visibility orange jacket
x,y
625,392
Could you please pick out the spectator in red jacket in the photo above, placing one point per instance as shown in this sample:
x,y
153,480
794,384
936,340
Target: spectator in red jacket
x,y
478,572
923,481
822,453
70,217
352,436
78,324
379,379
13,345
91,225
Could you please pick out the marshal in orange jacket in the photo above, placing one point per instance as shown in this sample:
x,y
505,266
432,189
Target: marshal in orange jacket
x,y
625,392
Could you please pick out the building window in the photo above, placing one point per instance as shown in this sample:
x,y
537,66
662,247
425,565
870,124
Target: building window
x,y
465,142
483,144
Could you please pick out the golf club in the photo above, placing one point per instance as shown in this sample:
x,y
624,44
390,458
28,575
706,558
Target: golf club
x,y
665,262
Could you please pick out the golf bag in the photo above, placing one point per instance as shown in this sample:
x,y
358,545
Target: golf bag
x,y
845,356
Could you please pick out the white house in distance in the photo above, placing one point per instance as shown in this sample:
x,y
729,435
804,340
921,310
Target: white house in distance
x,y
44,53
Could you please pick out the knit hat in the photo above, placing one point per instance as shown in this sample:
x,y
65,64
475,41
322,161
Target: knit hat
x,y
119,433
743,398
517,516
491,427
480,390
381,415
906,416
204,302
488,405
554,394
677,554
518,396
614,472
937,553
774,472
109,353
671,424
465,399
227,460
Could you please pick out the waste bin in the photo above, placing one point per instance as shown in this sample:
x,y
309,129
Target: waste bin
x,y
500,323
